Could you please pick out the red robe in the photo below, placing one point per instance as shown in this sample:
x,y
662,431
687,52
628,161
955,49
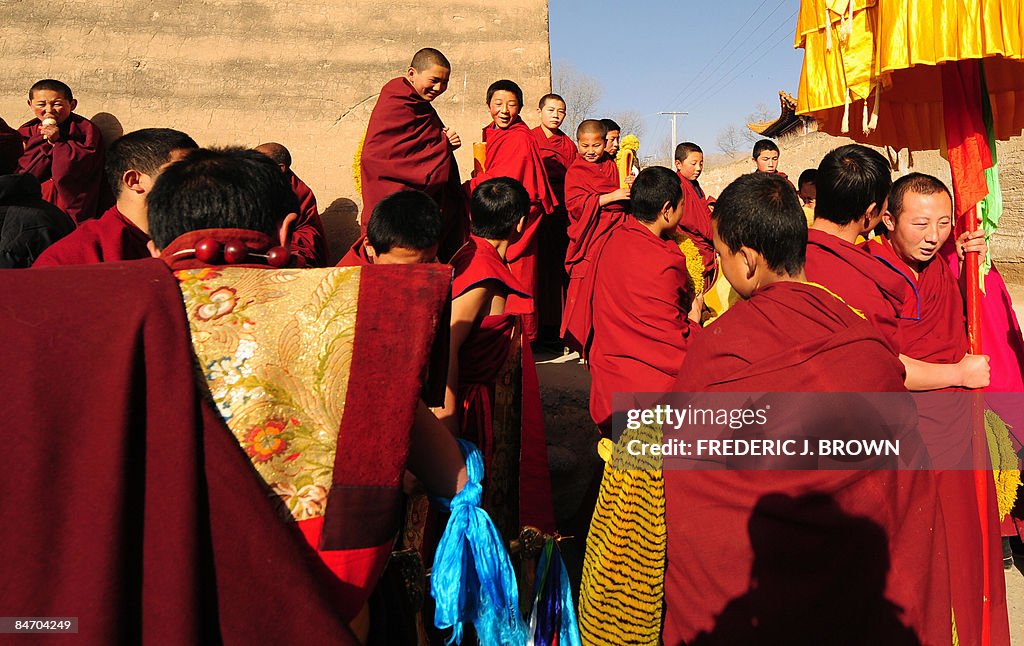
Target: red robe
x,y
356,255
481,359
696,224
149,518
590,224
558,152
10,148
513,152
110,238
405,148
641,329
71,169
857,277
308,238
754,556
933,329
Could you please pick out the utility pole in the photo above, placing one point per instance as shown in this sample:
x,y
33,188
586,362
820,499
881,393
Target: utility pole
x,y
675,140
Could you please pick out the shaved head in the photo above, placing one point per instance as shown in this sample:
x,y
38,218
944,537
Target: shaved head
x,y
428,57
277,152
592,127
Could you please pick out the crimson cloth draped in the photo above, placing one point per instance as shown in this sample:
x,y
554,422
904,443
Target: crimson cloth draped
x,y
71,169
147,514
10,148
406,148
308,238
481,359
590,224
642,295
860,279
558,152
110,238
696,224
752,555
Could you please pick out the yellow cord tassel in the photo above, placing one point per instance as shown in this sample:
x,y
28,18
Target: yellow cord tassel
x,y
1005,471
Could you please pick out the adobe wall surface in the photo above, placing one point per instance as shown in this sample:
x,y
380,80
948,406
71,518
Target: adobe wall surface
x,y
806,152
305,74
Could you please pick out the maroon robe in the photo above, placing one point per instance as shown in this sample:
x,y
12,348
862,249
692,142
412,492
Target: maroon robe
x,y
696,224
481,358
590,224
147,522
782,556
513,152
406,148
857,277
642,295
71,169
558,152
10,148
308,239
933,329
110,238
356,256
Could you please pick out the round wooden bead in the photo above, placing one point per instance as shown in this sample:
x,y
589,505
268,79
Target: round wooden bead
x,y
208,250
235,252
278,257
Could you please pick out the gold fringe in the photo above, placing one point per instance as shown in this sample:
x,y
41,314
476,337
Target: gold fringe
x,y
694,265
1005,470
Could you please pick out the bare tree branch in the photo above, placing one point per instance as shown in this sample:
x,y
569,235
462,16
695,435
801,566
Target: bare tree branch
x,y
730,140
580,91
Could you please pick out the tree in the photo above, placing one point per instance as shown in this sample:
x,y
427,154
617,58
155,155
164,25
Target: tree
x,y
760,114
631,122
580,91
729,140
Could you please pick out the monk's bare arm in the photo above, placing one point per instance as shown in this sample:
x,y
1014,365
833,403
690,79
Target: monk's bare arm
x,y
615,196
434,456
970,372
466,309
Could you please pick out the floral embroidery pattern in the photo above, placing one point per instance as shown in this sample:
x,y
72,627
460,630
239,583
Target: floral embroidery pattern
x,y
274,348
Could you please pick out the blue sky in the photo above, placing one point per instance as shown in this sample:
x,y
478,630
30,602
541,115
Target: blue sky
x,y
716,59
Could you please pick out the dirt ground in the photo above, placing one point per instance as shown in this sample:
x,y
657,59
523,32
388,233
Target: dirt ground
x,y
572,437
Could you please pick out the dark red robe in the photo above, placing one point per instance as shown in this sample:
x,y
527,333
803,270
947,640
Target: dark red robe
x,y
308,239
642,295
513,152
481,358
860,279
696,224
933,329
147,521
405,148
10,148
356,256
110,238
71,169
558,152
590,224
782,556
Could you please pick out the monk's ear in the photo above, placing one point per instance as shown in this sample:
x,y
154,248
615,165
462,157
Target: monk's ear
x,y
521,224
153,251
74,104
750,259
889,221
410,73
371,253
130,180
285,230
871,214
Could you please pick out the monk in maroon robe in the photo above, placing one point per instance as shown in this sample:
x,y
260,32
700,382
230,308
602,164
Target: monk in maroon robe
x,y
405,230
644,310
308,239
932,329
407,146
751,554
10,148
63,150
512,152
121,233
689,163
596,205
558,152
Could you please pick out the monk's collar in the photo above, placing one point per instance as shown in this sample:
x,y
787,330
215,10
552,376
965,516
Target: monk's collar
x,y
225,247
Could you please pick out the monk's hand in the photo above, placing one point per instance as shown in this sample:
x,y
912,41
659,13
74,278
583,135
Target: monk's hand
x,y
696,308
453,138
629,180
620,194
970,241
974,371
50,133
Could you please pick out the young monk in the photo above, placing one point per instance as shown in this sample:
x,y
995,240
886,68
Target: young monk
x,y
766,158
644,310
558,152
807,190
613,130
597,204
513,152
63,150
308,238
696,222
689,162
404,230
407,146
485,336
134,162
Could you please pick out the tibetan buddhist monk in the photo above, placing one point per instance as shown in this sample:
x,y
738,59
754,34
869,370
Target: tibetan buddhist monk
x,y
558,152
644,310
63,150
513,152
689,163
10,148
696,222
806,188
749,552
122,233
308,238
408,146
231,208
766,159
933,330
404,230
597,204
489,354
612,132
